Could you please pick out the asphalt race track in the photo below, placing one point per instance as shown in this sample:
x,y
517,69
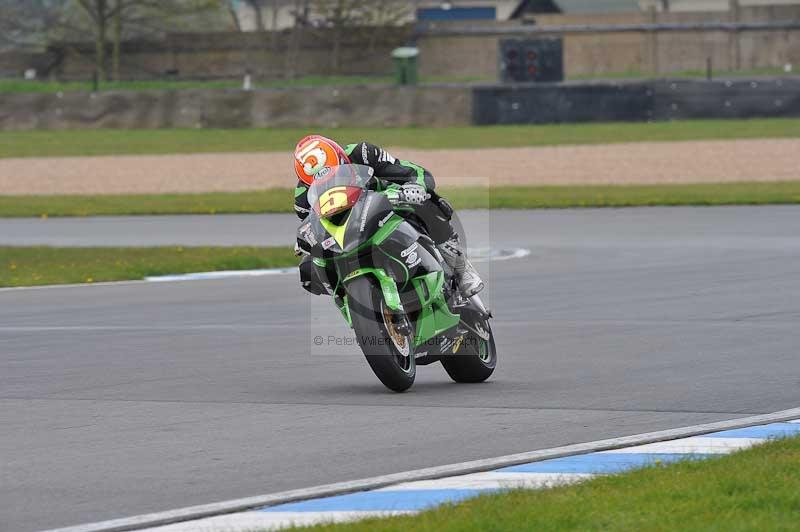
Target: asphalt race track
x,y
123,399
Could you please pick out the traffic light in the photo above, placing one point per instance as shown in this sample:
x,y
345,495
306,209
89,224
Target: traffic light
x,y
527,60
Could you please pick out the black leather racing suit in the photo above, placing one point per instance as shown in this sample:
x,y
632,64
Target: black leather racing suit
x,y
433,215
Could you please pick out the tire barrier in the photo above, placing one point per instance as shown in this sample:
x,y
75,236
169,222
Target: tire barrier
x,y
637,101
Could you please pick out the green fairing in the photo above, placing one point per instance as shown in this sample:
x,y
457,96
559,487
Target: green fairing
x,y
435,317
402,265
388,286
379,236
345,310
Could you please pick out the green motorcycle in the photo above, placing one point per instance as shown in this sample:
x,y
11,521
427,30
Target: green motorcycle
x,y
390,283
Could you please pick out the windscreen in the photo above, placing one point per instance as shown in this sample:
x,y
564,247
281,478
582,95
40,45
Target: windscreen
x,y
346,175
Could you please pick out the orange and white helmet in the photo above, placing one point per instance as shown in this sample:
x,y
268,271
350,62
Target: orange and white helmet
x,y
315,152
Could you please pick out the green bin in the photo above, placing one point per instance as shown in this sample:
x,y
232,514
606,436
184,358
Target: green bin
x,y
405,65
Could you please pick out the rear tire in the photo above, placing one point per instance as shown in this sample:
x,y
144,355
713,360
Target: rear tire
x,y
475,361
389,353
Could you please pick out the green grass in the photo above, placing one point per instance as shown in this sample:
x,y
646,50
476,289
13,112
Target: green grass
x,y
169,141
46,86
540,197
753,490
31,266
24,86
270,200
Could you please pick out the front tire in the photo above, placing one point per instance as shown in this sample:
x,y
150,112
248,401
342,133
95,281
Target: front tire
x,y
389,353
476,360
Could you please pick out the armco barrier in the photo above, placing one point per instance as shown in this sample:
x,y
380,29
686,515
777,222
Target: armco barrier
x,y
636,101
562,102
735,98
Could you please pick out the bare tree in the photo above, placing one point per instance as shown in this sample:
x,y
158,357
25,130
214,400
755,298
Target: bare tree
x,y
356,17
338,16
301,12
384,13
27,23
230,5
258,12
138,16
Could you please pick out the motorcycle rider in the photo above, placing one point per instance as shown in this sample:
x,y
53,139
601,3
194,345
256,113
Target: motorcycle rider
x,y
415,187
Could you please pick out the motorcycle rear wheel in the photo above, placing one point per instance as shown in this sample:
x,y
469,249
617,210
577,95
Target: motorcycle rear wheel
x,y
389,353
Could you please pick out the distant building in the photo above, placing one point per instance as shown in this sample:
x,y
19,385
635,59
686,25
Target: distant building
x,y
465,10
486,10
708,5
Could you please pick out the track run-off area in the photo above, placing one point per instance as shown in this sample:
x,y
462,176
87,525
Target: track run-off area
x,y
131,398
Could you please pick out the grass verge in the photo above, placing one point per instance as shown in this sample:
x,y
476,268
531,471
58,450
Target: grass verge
x,y
36,86
32,266
539,197
172,141
756,489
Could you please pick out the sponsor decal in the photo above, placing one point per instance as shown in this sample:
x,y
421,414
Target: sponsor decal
x,y
411,256
312,158
385,219
354,273
322,173
364,153
445,344
308,235
457,345
364,212
328,243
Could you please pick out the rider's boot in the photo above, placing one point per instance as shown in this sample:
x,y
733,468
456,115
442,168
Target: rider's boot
x,y
469,282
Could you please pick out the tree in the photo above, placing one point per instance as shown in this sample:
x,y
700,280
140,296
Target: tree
x,y
230,5
346,16
339,16
132,17
301,12
28,23
256,6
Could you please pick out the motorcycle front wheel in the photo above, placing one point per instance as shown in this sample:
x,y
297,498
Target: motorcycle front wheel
x,y
389,353
477,359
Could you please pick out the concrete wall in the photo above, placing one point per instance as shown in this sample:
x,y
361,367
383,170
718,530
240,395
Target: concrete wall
x,y
376,106
329,107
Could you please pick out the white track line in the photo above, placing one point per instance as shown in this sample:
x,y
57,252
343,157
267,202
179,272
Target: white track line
x,y
463,468
493,480
477,255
